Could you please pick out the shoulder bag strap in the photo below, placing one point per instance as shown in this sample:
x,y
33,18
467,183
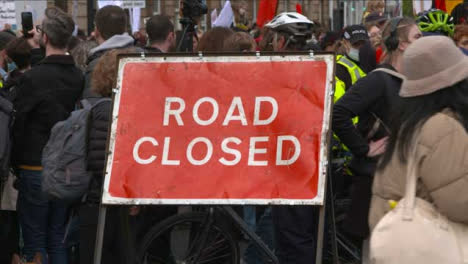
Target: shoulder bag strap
x,y
409,201
391,72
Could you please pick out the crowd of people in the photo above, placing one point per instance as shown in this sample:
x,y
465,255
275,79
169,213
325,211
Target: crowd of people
x,y
396,79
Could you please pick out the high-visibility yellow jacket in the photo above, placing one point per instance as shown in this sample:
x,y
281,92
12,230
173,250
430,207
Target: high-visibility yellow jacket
x,y
355,72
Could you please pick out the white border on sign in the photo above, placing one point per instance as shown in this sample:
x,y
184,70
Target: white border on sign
x,y
323,160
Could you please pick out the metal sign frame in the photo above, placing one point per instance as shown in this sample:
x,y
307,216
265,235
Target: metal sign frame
x,y
325,143
323,157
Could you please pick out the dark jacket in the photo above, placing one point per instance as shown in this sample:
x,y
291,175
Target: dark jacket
x,y
98,131
9,89
14,78
37,55
46,94
152,50
372,97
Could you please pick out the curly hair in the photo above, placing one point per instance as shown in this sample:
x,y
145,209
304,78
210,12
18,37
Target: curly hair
x,y
104,76
213,39
81,51
460,32
240,42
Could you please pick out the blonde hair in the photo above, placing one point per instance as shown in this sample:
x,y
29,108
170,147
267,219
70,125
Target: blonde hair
x,y
401,32
375,6
236,6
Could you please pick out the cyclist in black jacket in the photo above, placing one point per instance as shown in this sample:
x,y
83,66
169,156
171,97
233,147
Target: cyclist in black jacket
x,y
371,99
294,226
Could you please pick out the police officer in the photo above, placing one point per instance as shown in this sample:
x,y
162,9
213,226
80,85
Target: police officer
x,y
348,69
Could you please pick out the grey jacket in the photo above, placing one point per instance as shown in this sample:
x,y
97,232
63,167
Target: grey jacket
x,y
115,42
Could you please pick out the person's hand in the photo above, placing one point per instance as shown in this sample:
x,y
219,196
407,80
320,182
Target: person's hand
x,y
378,147
34,40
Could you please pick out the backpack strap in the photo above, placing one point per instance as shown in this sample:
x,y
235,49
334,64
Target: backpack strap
x,y
390,72
86,104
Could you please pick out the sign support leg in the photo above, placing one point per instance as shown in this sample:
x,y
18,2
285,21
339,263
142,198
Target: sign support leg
x,y
318,253
331,217
100,234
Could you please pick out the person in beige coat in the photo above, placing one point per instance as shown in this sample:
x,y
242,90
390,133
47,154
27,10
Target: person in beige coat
x,y
433,118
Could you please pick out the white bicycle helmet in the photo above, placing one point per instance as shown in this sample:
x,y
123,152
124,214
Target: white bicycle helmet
x,y
292,23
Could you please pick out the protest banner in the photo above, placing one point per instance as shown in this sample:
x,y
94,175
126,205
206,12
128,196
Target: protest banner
x,y
7,13
220,130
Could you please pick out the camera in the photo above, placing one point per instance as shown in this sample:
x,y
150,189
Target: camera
x,y
194,8
191,12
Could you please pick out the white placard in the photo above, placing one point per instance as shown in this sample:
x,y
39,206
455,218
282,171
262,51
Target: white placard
x,y
7,13
36,7
134,4
123,3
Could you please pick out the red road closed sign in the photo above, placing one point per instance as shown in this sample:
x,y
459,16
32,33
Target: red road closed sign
x,y
220,130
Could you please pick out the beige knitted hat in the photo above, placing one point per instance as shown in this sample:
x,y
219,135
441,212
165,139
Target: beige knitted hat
x,y
430,64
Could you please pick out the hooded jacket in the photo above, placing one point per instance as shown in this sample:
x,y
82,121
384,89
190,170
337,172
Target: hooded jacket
x,y
115,42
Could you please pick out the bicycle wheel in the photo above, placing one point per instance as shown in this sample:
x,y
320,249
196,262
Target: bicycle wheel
x,y
176,240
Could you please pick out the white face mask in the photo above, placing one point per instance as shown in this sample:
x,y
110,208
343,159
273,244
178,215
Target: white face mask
x,y
354,54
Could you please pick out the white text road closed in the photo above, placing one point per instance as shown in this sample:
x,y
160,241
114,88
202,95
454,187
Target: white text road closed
x,y
220,130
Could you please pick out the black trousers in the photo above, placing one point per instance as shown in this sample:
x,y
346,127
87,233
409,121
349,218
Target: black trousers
x,y
357,223
295,233
9,236
113,247
122,233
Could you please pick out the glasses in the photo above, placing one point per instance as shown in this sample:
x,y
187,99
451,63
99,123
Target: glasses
x,y
38,29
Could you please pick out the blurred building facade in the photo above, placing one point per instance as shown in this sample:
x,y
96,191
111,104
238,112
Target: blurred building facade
x,y
83,11
331,14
